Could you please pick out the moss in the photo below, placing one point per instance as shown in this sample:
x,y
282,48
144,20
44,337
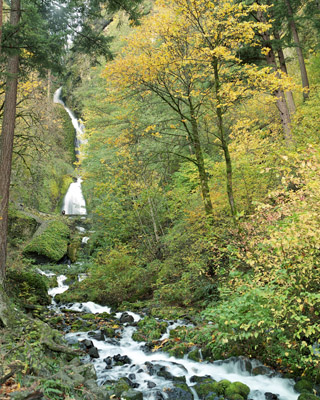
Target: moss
x,y
207,387
237,388
138,337
52,244
29,287
179,350
194,355
151,329
307,396
120,387
20,226
303,386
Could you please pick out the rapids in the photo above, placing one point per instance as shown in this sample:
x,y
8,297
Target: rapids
x,y
142,361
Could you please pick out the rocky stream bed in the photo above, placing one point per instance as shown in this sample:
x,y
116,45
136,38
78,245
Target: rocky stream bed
x,y
125,368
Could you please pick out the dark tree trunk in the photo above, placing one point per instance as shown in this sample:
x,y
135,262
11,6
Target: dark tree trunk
x,y
224,143
295,35
283,67
1,23
6,144
204,184
279,94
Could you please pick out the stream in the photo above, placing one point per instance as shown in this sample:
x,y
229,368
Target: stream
x,y
142,366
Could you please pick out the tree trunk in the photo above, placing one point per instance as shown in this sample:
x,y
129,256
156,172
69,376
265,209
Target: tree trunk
x,y
6,144
224,142
200,163
283,67
154,223
281,100
1,23
295,35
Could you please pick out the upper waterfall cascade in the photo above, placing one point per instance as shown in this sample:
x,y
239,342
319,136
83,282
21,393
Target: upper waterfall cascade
x,y
74,202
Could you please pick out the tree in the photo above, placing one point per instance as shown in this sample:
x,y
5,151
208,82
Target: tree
x,y
7,136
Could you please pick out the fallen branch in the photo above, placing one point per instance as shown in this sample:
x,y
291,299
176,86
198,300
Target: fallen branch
x,y
14,367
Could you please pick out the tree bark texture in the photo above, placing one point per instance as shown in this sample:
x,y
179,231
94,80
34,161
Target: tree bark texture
x,y
204,184
224,143
6,143
295,35
279,93
283,67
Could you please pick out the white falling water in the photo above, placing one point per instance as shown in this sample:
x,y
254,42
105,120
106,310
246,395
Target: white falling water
x,y
74,202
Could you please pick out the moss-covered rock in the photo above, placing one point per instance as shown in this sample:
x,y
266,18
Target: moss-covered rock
x,y
303,386
237,388
132,395
194,355
21,227
52,244
28,286
207,387
308,396
120,387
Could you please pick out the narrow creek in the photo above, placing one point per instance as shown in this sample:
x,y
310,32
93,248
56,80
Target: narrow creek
x,y
153,373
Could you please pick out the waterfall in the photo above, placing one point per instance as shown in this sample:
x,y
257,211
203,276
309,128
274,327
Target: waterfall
x,y
74,202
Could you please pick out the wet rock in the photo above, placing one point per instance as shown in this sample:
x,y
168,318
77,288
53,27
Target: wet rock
x,y
93,352
108,361
303,385
126,318
158,396
194,355
151,369
151,385
167,375
121,360
178,394
263,370
271,396
108,332
132,395
86,344
96,335
130,383
132,376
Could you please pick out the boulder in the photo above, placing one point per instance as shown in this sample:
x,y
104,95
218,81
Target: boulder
x,y
308,396
93,352
178,393
121,360
167,375
126,318
237,388
132,395
271,396
51,244
96,335
303,385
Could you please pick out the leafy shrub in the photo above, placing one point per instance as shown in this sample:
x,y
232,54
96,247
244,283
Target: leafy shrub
x,y
114,278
